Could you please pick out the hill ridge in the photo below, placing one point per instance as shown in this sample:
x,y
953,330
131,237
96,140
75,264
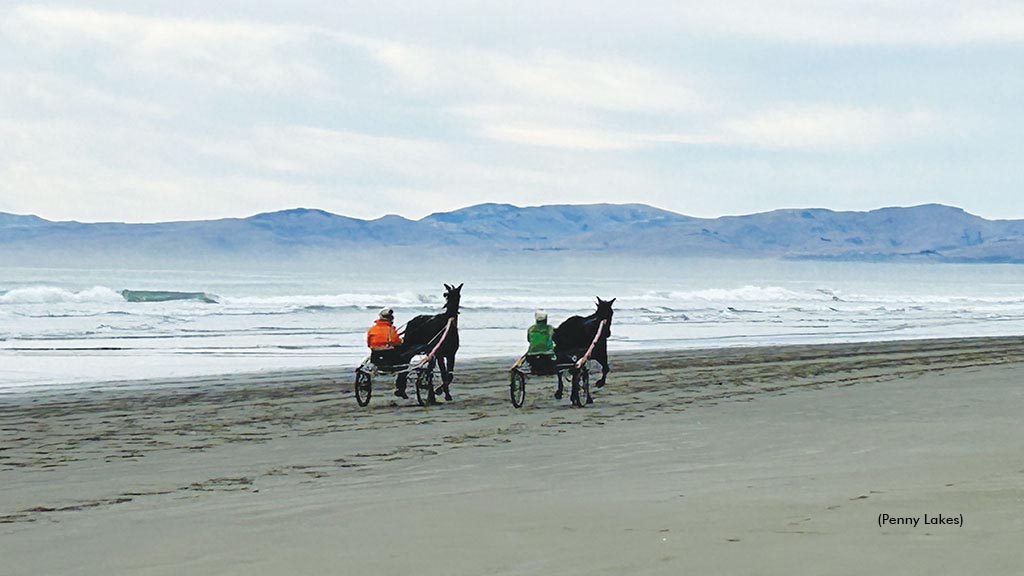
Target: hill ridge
x,y
927,231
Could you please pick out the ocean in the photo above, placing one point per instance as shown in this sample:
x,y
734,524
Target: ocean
x,y
75,327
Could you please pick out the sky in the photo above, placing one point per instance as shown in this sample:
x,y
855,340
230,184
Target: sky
x,y
190,109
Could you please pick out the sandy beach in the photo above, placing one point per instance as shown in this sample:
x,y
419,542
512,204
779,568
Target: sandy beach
x,y
775,460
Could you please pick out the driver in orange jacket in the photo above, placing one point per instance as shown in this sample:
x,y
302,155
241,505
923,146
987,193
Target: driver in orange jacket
x,y
383,340
382,335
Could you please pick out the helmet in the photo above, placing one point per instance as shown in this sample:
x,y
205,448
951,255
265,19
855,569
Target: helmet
x,y
387,314
540,316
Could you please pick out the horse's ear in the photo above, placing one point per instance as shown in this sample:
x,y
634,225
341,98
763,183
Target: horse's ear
x,y
612,301
460,286
447,287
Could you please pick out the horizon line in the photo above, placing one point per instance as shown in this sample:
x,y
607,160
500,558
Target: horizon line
x,y
518,207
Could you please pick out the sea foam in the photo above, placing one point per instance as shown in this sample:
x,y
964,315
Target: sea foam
x,y
55,295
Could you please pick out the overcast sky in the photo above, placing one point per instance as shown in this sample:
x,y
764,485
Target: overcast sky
x,y
160,110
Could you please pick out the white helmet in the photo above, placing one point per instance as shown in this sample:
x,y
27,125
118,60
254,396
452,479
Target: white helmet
x,y
540,316
387,314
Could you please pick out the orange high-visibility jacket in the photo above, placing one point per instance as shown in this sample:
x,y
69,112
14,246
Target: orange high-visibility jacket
x,y
382,335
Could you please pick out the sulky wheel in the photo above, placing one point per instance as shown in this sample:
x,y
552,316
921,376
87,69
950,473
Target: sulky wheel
x,y
363,388
425,387
585,385
517,388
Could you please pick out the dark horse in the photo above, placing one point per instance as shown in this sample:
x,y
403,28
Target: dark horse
x,y
423,332
573,337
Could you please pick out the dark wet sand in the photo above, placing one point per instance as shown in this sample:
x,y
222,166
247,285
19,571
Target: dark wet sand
x,y
774,460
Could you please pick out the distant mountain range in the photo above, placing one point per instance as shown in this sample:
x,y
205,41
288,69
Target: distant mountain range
x,y
931,232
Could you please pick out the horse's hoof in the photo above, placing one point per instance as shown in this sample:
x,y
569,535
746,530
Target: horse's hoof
x,y
590,400
599,384
558,395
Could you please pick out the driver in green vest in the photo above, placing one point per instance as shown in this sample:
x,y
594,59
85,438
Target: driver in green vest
x,y
541,354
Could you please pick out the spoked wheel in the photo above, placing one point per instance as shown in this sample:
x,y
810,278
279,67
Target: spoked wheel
x,y
585,386
517,388
425,387
580,395
363,388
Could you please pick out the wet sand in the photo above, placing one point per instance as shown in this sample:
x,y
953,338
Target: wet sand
x,y
773,460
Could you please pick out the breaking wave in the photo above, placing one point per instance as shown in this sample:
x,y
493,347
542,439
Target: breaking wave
x,y
348,300
166,296
744,294
744,298
54,295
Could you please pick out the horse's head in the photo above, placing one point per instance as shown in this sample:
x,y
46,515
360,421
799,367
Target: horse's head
x,y
452,297
604,309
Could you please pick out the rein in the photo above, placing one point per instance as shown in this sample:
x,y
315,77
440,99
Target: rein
x,y
444,334
583,360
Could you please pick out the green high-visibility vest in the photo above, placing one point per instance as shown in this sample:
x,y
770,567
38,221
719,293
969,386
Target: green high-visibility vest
x,y
539,336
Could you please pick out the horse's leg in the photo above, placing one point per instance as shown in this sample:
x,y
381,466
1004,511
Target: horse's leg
x,y
447,375
400,384
601,356
558,392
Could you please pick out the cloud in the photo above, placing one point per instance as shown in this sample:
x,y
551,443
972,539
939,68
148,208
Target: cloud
x,y
244,55
814,126
612,84
823,126
77,172
849,22
565,128
302,151
387,107
558,137
35,93
539,79
544,98
208,53
556,101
